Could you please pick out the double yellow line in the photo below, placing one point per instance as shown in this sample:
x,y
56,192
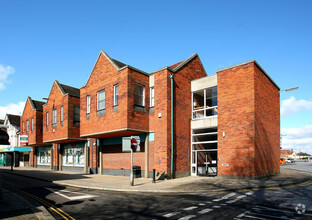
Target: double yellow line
x,y
47,204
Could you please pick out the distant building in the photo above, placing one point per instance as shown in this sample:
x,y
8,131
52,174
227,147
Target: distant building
x,y
13,153
288,154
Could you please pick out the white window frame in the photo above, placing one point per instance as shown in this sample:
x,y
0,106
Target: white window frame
x,y
99,101
62,114
116,95
152,97
141,96
47,115
88,104
27,127
54,117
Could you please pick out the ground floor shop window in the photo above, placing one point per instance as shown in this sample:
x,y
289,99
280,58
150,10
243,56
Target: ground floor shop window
x,y
44,158
73,156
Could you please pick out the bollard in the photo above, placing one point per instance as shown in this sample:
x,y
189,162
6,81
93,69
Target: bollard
x,y
154,176
1,198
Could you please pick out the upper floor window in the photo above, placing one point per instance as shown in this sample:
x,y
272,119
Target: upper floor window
x,y
76,115
32,125
138,95
152,97
62,115
205,103
116,95
88,104
23,128
101,100
27,126
47,120
54,118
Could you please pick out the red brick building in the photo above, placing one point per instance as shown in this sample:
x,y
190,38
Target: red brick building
x,y
31,125
187,123
61,128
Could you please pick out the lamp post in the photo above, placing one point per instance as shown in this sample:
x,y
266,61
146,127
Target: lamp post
x,y
290,89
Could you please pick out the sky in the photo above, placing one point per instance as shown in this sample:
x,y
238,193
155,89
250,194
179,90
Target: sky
x,y
43,41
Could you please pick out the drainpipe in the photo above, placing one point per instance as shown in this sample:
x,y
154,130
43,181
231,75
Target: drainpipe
x,y
171,79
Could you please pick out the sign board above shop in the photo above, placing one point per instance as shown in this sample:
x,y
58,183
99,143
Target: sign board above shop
x,y
126,144
24,139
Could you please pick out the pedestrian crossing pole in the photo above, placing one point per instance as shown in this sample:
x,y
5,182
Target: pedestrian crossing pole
x,y
134,145
131,174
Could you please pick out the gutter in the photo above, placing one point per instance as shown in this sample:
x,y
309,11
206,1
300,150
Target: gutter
x,y
171,79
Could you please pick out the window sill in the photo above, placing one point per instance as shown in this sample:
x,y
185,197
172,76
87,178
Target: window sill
x,y
138,108
115,108
151,110
100,112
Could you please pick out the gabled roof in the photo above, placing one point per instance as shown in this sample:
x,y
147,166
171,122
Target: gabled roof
x,y
13,119
36,105
175,67
72,91
117,64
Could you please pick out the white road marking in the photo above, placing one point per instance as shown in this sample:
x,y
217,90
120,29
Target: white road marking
x,y
204,211
208,202
217,200
187,217
190,208
216,206
249,193
171,214
228,195
242,196
201,204
81,195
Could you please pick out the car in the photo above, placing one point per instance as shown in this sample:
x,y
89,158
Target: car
x,y
282,161
290,160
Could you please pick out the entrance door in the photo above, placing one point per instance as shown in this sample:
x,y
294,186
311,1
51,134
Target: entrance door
x,y
206,163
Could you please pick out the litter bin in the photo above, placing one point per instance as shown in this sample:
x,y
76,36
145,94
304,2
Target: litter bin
x,y
136,171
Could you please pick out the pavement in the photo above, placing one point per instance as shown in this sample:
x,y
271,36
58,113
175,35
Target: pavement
x,y
286,178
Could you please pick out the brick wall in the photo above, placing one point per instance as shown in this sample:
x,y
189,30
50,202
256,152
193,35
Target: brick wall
x,y
267,121
104,76
248,114
35,136
66,130
236,118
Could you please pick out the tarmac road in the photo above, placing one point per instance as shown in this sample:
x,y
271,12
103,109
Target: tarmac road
x,y
75,203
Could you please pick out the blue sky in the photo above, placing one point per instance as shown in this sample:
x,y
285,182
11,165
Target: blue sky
x,y
41,41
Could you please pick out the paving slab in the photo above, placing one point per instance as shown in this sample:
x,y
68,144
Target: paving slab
x,y
186,184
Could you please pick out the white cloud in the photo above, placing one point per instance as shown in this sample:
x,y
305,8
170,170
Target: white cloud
x,y
291,106
297,138
12,108
5,71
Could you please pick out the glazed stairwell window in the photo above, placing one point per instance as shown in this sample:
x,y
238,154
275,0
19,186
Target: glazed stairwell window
x,y
139,95
54,118
101,102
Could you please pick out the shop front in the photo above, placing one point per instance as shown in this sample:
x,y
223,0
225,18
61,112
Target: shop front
x,y
115,161
44,157
73,156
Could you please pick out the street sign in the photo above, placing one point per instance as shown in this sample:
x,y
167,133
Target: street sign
x,y
24,139
134,144
126,144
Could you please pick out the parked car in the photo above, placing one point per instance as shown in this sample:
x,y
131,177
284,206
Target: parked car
x,y
290,160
